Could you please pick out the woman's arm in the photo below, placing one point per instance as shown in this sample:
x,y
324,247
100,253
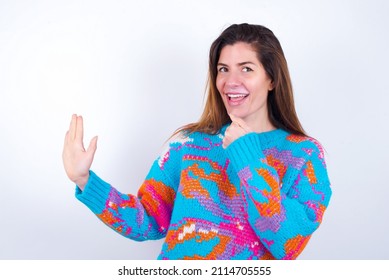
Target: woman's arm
x,y
284,217
141,217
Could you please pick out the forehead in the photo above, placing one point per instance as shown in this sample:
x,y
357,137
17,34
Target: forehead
x,y
239,52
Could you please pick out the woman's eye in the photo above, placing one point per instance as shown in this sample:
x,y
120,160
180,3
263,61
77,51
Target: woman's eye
x,y
247,69
223,69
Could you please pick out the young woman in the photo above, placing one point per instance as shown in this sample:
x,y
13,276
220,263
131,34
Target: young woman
x,y
244,182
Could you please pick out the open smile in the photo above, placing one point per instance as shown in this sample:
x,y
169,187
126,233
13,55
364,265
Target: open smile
x,y
235,99
236,96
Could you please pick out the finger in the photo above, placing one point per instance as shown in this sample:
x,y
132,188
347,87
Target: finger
x,y
240,122
72,127
92,147
67,135
226,139
236,120
79,129
224,144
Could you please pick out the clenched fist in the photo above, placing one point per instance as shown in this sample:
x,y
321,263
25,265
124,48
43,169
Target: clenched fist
x,y
237,129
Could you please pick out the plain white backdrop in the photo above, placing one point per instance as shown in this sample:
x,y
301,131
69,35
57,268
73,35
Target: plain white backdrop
x,y
136,71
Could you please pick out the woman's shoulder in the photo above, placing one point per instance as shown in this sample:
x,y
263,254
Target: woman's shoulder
x,y
305,144
179,143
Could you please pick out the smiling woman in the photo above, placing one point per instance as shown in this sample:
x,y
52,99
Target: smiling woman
x,y
244,86
257,46
245,182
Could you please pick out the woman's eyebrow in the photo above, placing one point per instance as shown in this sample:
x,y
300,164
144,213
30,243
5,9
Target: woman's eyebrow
x,y
246,62
239,64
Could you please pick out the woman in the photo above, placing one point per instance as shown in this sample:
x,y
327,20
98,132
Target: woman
x,y
244,182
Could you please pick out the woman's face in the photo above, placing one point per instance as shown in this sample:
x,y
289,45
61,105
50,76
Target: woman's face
x,y
243,84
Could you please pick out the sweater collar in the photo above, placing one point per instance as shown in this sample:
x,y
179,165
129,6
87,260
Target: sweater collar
x,y
264,137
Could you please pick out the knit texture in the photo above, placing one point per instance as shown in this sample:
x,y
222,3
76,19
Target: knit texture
x,y
261,198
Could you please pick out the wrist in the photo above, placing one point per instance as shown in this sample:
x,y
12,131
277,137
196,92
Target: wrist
x,y
82,181
245,150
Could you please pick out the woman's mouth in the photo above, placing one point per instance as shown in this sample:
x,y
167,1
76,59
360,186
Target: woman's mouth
x,y
235,99
236,96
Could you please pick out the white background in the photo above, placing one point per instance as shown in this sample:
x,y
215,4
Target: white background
x,y
136,71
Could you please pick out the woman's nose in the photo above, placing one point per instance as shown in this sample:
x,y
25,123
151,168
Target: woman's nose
x,y
233,79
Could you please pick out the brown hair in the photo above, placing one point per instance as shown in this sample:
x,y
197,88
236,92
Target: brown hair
x,y
280,103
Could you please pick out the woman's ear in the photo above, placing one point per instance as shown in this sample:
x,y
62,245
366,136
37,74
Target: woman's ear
x,y
271,86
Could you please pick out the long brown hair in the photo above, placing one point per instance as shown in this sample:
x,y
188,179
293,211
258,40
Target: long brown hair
x,y
280,103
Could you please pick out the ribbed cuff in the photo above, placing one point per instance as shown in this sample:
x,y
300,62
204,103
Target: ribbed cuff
x,y
95,193
245,150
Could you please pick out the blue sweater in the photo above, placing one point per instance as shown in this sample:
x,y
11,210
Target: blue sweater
x,y
261,198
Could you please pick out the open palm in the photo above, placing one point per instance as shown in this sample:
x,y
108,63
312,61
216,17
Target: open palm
x,y
77,161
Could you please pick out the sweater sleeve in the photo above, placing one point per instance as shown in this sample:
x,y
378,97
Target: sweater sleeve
x,y
283,216
141,217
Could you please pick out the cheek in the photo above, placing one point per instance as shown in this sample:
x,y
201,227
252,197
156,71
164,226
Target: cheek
x,y
260,87
219,85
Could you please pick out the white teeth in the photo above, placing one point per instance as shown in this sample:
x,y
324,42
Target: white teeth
x,y
236,95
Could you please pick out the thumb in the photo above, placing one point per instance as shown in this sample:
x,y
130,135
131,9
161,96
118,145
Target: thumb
x,y
92,146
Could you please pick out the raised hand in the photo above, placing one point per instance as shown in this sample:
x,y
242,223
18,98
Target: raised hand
x,y
237,129
76,160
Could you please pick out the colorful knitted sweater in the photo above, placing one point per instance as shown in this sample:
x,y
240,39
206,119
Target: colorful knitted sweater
x,y
261,198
